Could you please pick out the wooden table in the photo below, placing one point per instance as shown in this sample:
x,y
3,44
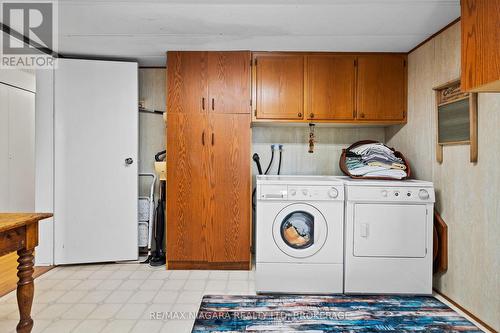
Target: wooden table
x,y
19,232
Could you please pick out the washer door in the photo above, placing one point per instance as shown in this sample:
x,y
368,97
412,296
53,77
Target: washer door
x,y
300,230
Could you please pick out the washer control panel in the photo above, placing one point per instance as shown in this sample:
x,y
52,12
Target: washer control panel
x,y
297,192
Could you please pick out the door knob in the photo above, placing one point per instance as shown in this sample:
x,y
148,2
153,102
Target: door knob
x,y
129,161
299,115
311,115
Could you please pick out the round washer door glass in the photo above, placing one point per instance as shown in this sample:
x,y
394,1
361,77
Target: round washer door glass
x,y
297,230
300,230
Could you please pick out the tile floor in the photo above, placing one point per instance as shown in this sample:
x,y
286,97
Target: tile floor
x,y
125,298
121,298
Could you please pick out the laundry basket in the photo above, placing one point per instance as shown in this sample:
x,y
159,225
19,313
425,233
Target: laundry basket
x,y
345,170
146,214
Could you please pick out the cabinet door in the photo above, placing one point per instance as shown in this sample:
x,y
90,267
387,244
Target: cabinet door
x,y
381,89
330,87
229,231
229,82
279,84
187,88
480,61
187,143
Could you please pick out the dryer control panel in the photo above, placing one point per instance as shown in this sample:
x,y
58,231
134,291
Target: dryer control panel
x,y
389,193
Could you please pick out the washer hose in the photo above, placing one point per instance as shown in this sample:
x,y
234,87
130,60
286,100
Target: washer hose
x,y
279,163
271,161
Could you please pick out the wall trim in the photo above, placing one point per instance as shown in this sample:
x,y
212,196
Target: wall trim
x,y
435,34
464,310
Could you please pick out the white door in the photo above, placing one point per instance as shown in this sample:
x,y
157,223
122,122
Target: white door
x,y
385,230
95,188
17,149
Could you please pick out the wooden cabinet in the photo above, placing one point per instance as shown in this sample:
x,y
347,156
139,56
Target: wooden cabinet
x,y
480,45
323,87
329,87
187,161
279,86
187,90
229,77
208,170
381,87
230,188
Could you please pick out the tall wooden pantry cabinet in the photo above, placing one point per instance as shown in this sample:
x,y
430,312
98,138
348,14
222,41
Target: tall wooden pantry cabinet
x,y
208,160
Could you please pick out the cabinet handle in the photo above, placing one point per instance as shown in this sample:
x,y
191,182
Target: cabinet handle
x,y
362,115
203,103
311,115
203,138
213,139
213,104
299,115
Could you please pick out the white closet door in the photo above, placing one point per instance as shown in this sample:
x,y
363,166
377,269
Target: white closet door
x,y
4,148
17,149
95,190
21,150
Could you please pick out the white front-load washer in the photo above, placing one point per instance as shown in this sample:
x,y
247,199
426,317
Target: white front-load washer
x,y
299,236
388,237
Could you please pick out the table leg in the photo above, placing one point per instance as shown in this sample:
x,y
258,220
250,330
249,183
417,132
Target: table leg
x,y
25,290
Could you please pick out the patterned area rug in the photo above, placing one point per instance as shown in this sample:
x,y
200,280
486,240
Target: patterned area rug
x,y
328,314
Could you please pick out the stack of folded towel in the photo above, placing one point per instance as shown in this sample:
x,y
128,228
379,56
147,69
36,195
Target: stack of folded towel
x,y
374,160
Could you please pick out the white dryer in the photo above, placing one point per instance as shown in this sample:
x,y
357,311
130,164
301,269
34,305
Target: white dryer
x,y
299,238
388,237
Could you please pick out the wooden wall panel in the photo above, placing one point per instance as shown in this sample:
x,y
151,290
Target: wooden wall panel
x,y
8,273
480,45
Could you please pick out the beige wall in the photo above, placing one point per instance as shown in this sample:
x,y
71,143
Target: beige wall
x,y
468,195
296,160
151,125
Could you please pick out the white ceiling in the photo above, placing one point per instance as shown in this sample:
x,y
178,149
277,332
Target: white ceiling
x,y
144,30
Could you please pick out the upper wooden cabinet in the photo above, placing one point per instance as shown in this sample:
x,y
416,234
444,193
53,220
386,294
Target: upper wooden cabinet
x,y
229,82
279,86
480,22
381,87
187,90
208,82
357,88
329,87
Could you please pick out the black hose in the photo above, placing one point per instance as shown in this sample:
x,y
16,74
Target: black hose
x,y
271,161
279,163
256,159
159,157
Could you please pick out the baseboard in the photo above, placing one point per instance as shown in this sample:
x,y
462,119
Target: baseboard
x,y
464,310
203,265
